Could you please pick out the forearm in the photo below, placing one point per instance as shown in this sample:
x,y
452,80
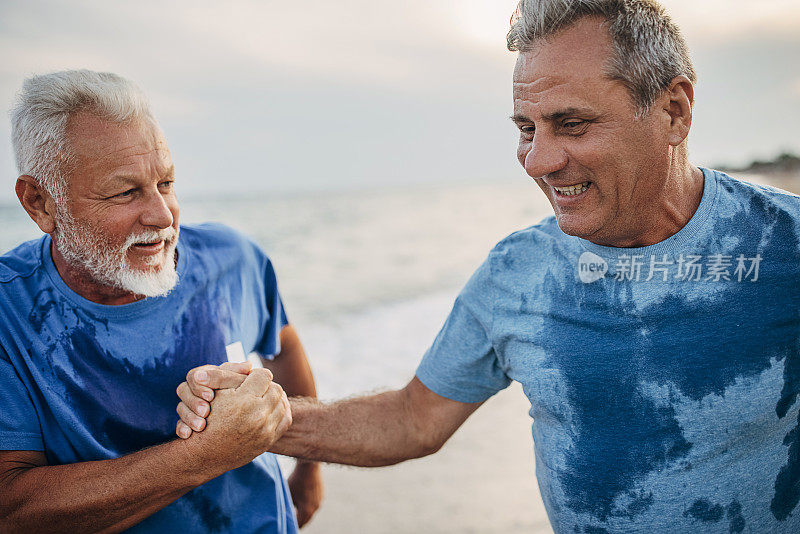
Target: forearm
x,y
369,431
106,495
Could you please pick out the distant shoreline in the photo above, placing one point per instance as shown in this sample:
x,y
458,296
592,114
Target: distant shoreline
x,y
782,172
786,181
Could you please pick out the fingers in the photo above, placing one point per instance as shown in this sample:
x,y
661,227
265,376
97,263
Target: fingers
x,y
257,382
195,379
182,430
195,404
187,416
274,394
306,488
205,379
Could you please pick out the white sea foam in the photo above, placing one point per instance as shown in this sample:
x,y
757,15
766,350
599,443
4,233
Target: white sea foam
x,y
367,277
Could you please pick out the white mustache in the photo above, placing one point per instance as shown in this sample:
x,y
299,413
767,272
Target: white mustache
x,y
148,236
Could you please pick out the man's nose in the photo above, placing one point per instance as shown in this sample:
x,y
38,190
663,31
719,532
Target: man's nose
x,y
545,156
156,211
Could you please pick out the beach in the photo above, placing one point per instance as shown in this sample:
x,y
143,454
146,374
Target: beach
x,y
368,288
482,481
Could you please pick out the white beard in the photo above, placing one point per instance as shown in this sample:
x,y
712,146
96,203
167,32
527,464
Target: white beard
x,y
84,246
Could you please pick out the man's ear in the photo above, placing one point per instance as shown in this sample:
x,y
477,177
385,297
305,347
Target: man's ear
x,y
37,202
678,104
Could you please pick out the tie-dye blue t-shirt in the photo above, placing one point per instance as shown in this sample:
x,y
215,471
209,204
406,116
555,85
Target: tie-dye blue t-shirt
x,y
663,380
84,381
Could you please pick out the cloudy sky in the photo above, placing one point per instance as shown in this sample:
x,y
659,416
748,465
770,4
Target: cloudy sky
x,y
321,95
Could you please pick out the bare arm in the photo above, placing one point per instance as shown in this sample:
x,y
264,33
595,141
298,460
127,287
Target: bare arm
x,y
111,495
107,495
369,431
375,430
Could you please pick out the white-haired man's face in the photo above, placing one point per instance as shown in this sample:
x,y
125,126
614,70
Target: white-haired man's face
x,y
118,232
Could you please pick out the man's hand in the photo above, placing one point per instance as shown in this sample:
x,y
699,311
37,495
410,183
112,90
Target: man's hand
x,y
243,422
198,391
305,485
305,482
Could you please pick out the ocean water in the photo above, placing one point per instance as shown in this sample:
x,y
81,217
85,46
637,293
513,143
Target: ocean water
x,y
367,277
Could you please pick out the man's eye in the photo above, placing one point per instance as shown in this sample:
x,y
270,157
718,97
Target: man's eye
x,y
574,125
166,184
527,131
127,193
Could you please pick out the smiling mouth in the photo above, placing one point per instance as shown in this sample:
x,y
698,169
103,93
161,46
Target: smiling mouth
x,y
154,246
572,190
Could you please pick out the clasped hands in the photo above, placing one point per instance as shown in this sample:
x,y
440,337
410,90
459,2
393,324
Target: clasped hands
x,y
237,413
261,402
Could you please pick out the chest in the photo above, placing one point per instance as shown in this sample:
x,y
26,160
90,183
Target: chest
x,y
107,385
605,346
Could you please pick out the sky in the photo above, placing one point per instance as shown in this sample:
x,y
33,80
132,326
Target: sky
x,y
316,95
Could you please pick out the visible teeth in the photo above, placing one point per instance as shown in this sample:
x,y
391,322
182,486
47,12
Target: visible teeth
x,y
573,189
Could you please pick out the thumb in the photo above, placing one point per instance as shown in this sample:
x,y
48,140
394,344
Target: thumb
x,y
238,367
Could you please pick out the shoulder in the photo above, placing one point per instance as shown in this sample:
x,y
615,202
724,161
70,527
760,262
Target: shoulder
x,y
211,235
219,240
218,252
530,243
545,231
21,261
520,257
758,197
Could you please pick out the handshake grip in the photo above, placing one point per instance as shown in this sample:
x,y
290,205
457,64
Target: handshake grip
x,y
230,414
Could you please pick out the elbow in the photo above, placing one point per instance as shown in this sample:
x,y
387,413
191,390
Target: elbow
x,y
428,443
11,511
413,452
424,434
16,508
417,445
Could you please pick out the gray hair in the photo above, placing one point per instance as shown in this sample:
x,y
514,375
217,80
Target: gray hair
x,y
43,108
649,50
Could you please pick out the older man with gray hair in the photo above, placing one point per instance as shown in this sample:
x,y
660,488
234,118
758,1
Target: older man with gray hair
x,y
101,319
654,322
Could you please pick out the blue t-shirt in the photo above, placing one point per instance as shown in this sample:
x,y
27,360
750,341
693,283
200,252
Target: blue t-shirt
x,y
663,380
84,381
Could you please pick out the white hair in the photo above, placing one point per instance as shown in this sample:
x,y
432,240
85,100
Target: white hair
x,y
649,50
43,108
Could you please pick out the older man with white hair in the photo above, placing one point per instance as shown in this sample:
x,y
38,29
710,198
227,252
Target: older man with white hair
x,y
654,322
101,319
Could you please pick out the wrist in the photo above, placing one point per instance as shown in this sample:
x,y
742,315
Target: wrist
x,y
197,467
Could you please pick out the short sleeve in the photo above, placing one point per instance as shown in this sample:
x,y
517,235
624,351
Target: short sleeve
x,y
269,343
462,364
19,424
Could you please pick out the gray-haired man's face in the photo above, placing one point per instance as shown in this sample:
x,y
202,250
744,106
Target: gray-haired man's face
x,y
579,139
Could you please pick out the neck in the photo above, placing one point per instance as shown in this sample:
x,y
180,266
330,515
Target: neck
x,y
672,205
80,280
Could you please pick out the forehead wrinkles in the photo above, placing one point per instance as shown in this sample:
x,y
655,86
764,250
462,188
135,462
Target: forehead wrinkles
x,y
532,83
127,147
534,90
